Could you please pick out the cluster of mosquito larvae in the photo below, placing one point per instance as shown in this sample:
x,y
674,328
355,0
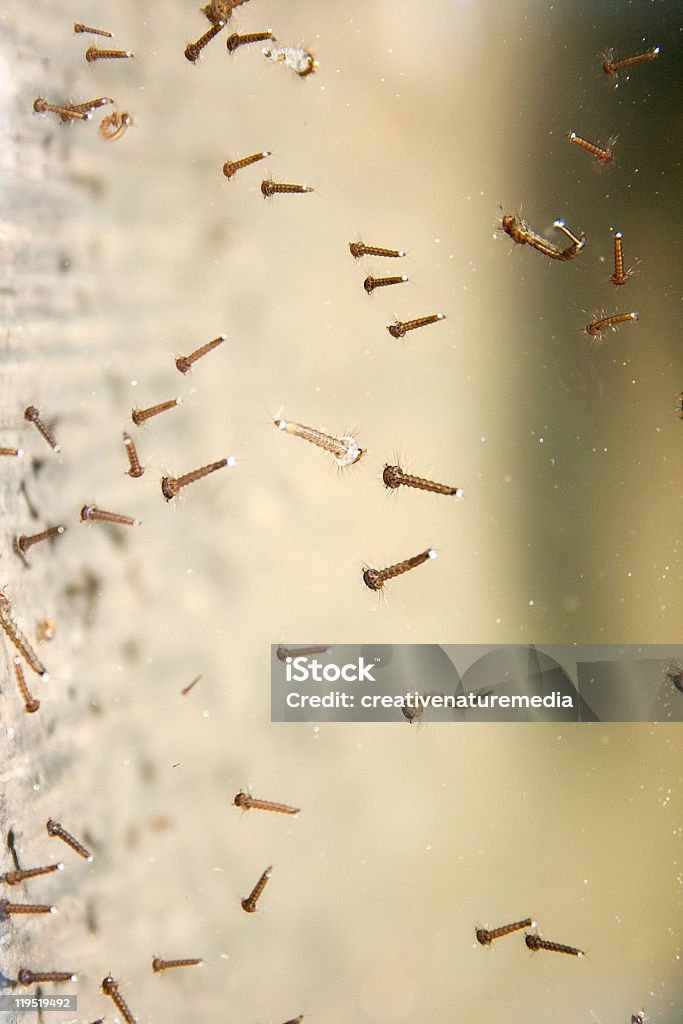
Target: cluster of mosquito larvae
x,y
595,328
603,155
612,67
111,127
375,579
345,450
520,233
247,802
486,936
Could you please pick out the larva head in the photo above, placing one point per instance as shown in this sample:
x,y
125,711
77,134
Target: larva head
x,y
532,941
353,453
241,799
483,937
108,985
372,578
392,476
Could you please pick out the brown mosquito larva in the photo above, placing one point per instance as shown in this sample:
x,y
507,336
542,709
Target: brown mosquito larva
x,y
393,477
283,653
111,989
220,10
358,249
94,53
620,276
9,626
172,485
32,415
679,405
90,513
249,902
31,704
234,41
16,452
193,50
535,942
135,470
184,363
26,977
159,965
15,877
345,450
375,579
638,1018
7,908
595,327
271,188
186,689
612,67
603,154
139,416
114,125
66,113
486,936
370,283
92,31
247,802
399,328
295,1020
231,167
85,108
520,233
55,829
675,674
23,542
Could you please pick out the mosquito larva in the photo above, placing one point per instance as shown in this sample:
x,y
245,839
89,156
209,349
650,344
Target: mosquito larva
x,y
159,965
596,326
92,31
612,67
271,188
370,283
535,942
186,689
247,802
358,249
393,477
111,989
603,154
220,10
675,674
295,1020
486,936
56,830
14,634
249,902
26,977
135,470
235,40
66,113
679,405
231,167
184,363
283,653
31,703
375,579
90,513
345,450
94,53
85,108
24,542
399,328
32,415
15,877
297,58
171,485
7,908
520,233
139,416
620,276
16,452
193,50
114,125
